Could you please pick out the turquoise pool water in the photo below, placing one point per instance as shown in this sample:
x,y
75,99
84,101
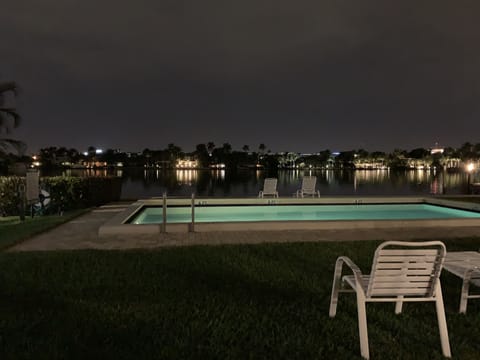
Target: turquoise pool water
x,y
207,214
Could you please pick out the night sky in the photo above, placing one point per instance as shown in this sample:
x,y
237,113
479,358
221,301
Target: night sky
x,y
303,75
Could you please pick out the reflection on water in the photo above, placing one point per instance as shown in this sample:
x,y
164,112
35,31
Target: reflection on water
x,y
140,183
187,177
87,172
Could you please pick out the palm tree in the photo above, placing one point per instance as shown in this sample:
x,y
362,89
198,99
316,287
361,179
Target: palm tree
x,y
6,112
174,151
227,148
210,147
262,148
261,151
9,118
467,151
201,153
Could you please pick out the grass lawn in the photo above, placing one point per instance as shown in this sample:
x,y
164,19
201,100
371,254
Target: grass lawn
x,y
267,301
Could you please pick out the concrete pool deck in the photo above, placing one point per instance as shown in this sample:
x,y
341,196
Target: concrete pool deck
x,y
83,233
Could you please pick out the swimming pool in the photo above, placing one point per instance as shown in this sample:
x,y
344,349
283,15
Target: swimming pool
x,y
145,217
268,213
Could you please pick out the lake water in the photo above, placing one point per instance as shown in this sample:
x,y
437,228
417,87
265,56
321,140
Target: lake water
x,y
139,183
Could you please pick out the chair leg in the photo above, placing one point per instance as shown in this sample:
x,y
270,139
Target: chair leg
x,y
337,281
399,304
464,296
442,321
362,325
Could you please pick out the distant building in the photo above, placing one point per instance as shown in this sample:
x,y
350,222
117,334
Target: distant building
x,y
186,164
436,150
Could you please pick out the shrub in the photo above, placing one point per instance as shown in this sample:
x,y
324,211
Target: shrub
x,y
9,196
66,192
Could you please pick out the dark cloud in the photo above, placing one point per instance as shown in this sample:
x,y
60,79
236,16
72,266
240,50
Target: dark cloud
x,y
303,75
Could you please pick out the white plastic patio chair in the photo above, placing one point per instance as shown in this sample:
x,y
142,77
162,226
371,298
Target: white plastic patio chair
x,y
308,187
269,188
401,272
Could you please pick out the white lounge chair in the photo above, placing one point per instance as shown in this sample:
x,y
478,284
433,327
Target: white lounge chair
x,y
401,272
269,188
308,187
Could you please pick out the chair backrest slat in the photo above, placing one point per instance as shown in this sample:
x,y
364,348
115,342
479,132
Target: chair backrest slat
x,y
399,273
403,268
308,184
270,186
419,292
412,252
397,265
392,259
383,280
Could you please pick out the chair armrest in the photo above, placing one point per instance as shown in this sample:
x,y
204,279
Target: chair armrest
x,y
353,267
347,261
338,283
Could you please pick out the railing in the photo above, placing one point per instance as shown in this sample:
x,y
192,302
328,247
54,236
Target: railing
x,y
164,212
191,224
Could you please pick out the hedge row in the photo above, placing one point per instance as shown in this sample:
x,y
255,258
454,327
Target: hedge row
x,y
65,192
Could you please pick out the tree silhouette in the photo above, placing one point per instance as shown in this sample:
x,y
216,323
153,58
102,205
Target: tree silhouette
x,y
210,147
227,148
467,151
201,154
9,119
174,151
92,151
418,153
262,148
